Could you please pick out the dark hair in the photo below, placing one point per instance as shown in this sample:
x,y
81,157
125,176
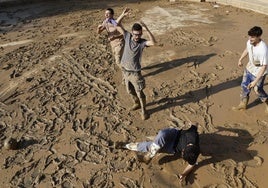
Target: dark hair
x,y
191,153
111,10
136,27
255,31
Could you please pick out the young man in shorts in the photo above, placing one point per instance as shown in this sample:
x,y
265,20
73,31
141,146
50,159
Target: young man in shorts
x,y
131,64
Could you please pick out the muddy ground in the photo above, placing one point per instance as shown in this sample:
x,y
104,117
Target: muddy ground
x,y
61,95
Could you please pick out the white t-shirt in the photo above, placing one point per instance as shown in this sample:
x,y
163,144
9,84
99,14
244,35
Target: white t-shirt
x,y
259,55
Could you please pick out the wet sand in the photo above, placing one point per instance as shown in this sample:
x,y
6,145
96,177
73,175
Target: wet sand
x,y
61,96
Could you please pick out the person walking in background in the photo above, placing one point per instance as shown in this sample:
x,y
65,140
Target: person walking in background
x,y
172,141
131,64
116,39
256,69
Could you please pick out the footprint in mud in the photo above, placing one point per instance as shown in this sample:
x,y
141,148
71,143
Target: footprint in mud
x,y
128,182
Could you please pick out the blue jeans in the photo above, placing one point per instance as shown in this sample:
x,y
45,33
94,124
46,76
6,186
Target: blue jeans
x,y
247,79
165,138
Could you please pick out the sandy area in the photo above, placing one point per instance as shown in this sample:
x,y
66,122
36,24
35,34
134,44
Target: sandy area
x,y
61,96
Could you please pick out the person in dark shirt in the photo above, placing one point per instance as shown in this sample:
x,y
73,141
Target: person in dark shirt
x,y
172,141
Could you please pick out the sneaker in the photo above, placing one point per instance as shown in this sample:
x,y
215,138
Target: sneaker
x,y
154,148
132,146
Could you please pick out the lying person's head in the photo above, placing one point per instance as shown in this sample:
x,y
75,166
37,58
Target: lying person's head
x,y
190,153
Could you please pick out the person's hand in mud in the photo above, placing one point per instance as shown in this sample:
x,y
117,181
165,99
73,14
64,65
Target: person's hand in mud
x,y
182,180
181,177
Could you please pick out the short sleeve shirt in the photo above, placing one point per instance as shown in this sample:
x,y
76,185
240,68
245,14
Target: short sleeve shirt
x,y
257,53
131,59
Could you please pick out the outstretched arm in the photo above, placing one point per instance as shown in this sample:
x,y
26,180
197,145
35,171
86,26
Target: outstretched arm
x,y
125,12
121,29
151,41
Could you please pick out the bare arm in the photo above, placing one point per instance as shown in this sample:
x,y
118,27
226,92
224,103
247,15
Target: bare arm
x,y
151,41
125,12
244,54
113,37
259,75
186,171
121,29
100,28
189,167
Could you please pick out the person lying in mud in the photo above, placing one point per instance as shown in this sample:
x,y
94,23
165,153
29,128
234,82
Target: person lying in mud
x,y
172,141
131,64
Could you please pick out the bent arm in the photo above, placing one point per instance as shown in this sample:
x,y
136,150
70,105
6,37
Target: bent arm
x,y
121,29
151,41
124,13
261,72
259,75
100,28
